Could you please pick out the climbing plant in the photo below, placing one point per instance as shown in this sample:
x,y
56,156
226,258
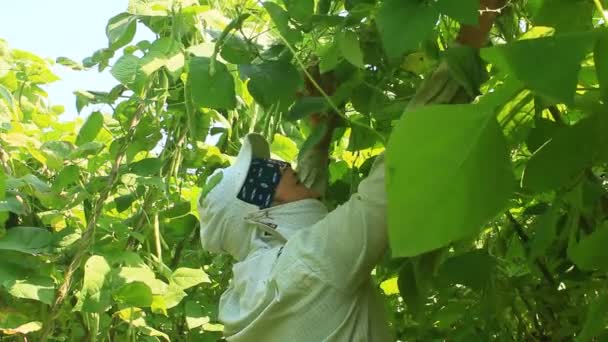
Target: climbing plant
x,y
498,208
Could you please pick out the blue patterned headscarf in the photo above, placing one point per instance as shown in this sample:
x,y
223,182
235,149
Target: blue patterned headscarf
x,y
262,180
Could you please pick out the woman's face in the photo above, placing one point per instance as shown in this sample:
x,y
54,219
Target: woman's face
x,y
290,189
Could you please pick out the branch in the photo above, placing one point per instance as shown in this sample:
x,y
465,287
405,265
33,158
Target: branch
x,y
519,229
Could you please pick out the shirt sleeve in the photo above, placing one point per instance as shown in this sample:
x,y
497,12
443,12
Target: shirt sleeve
x,y
346,245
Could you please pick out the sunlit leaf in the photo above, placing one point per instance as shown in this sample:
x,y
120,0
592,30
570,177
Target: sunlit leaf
x,y
29,240
121,30
403,24
526,59
466,165
211,90
90,129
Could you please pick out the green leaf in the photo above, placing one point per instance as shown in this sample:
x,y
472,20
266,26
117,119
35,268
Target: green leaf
x,y
591,252
466,68
300,10
146,167
601,63
557,58
313,139
195,317
330,58
281,21
11,204
596,319
90,129
305,106
145,275
121,30
465,11
173,296
135,294
67,176
7,96
284,147
565,15
124,202
66,62
96,270
38,288
404,24
29,240
561,160
153,8
164,52
349,46
445,187
473,269
211,183
211,91
186,278
274,84
545,231
127,70
23,329
412,295
237,51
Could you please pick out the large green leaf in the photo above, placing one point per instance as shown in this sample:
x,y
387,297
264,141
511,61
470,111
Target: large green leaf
x,y
211,90
90,129
127,70
195,317
413,296
601,63
300,10
7,96
444,186
67,176
36,288
274,84
284,147
145,275
165,52
185,277
96,270
596,318
146,167
557,59
121,30
348,42
281,20
29,240
465,11
561,160
305,106
135,294
404,24
473,269
591,252
544,232
565,15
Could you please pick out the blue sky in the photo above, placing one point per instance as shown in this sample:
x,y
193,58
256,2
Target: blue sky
x,y
70,28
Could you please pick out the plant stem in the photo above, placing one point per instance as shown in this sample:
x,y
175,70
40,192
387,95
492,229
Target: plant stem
x,y
87,237
598,5
159,250
524,238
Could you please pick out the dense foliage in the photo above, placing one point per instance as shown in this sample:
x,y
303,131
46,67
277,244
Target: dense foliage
x,y
498,209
